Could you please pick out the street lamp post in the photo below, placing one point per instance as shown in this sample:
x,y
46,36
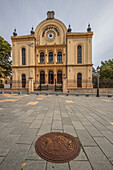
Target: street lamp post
x,y
98,71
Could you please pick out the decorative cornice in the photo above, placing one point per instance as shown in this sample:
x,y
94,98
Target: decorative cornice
x,y
53,45
79,35
23,38
79,65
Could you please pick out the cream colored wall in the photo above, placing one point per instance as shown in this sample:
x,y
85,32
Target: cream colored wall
x,y
86,45
17,73
17,53
85,68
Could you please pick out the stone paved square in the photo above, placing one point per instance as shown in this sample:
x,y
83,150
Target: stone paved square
x,y
23,120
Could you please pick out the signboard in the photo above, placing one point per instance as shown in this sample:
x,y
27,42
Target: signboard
x,y
6,86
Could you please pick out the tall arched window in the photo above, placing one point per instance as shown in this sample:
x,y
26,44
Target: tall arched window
x,y
59,77
59,57
42,77
51,77
79,54
23,56
42,58
50,57
79,80
23,80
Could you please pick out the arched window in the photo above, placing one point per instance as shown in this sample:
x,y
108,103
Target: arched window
x,y
50,57
6,82
23,80
42,77
51,77
79,54
59,77
42,58
79,80
23,56
59,57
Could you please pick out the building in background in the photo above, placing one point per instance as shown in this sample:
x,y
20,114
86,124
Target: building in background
x,y
51,53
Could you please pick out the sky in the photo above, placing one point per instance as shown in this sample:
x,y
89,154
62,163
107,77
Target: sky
x,y
23,14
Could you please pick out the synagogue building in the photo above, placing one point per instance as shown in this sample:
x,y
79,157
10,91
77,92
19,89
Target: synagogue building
x,y
50,53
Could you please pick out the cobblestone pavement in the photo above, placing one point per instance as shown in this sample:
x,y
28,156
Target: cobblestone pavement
x,y
23,118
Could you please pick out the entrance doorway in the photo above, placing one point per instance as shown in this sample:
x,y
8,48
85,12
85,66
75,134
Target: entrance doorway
x,y
59,77
79,80
42,77
51,77
23,80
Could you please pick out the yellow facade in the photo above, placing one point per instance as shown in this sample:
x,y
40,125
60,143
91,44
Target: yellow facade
x,y
58,48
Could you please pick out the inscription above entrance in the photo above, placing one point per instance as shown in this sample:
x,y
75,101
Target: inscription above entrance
x,y
50,28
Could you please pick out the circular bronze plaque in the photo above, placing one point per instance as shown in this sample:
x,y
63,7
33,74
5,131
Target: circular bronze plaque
x,y
57,147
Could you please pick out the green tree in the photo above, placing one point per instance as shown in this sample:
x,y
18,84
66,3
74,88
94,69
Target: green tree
x,y
5,62
106,70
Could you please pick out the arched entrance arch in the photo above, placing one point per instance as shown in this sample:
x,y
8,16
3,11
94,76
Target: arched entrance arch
x,y
51,77
23,80
42,77
79,80
59,77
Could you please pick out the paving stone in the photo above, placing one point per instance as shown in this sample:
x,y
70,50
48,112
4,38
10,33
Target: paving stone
x,y
99,126
57,117
3,124
29,120
15,158
20,129
70,130
1,159
4,132
85,138
98,159
110,127
40,116
106,146
74,118
32,155
44,129
53,130
108,135
53,166
93,131
36,124
47,121
28,136
64,114
66,121
7,144
80,165
35,165
78,125
57,125
81,156
84,121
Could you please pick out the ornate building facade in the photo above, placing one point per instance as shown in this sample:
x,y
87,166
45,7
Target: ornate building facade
x,y
51,53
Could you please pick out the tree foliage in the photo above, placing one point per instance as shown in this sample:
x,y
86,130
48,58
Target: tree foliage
x,y
106,70
5,62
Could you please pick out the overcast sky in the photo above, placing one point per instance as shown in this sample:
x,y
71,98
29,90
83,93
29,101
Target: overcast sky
x,y
23,14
